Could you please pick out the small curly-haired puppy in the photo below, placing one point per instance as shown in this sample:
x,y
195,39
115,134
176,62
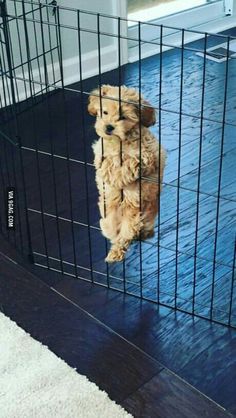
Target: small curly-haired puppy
x,y
124,216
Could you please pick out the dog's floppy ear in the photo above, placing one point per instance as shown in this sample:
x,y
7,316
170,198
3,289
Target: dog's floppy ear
x,y
94,99
93,102
148,115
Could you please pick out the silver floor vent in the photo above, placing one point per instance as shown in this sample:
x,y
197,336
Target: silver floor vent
x,y
218,53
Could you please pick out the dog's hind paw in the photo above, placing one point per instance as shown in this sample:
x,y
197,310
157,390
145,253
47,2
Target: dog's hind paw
x,y
115,254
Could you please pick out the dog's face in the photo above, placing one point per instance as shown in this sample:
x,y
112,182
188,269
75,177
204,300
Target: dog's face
x,y
115,120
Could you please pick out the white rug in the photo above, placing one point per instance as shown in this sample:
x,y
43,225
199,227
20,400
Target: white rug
x,y
35,383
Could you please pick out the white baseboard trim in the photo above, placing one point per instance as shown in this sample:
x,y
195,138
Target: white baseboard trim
x,y
90,68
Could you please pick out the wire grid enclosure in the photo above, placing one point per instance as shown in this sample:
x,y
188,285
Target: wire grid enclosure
x,y
51,58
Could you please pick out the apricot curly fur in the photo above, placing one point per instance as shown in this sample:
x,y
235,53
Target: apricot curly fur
x,y
124,217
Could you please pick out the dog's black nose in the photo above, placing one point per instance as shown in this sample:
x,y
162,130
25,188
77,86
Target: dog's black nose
x,y
109,128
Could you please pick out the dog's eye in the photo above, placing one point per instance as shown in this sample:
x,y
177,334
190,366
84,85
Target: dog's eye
x,y
105,112
122,117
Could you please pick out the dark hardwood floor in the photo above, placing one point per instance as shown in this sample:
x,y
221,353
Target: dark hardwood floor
x,y
202,353
176,340
167,396
75,333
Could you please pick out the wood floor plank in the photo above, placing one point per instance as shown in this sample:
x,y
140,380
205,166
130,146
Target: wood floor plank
x,y
173,338
168,396
218,379
222,297
182,285
84,343
193,348
210,175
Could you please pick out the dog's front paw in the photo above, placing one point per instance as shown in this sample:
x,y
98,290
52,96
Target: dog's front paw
x,y
147,234
115,254
105,170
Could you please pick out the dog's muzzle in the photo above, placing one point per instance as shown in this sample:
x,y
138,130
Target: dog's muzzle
x,y
109,129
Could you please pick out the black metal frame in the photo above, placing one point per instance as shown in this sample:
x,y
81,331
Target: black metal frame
x,y
14,173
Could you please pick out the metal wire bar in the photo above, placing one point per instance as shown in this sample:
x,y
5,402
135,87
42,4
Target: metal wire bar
x,y
101,113
140,153
179,166
120,115
159,166
86,164
6,88
220,176
32,92
199,176
20,51
35,38
1,225
66,136
232,287
1,103
55,192
50,44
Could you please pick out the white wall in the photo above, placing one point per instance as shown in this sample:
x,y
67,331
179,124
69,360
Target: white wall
x,y
69,42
